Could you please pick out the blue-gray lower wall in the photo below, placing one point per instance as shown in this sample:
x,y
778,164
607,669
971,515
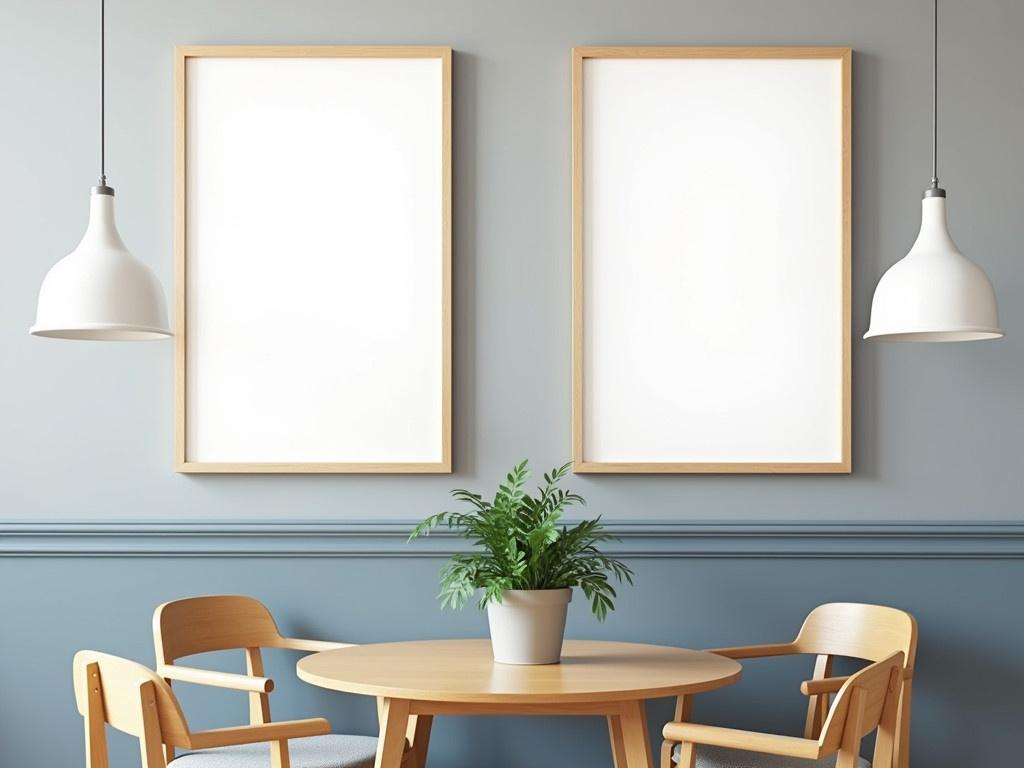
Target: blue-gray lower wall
x,y
68,587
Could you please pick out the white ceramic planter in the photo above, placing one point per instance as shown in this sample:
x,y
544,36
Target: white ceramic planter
x,y
527,626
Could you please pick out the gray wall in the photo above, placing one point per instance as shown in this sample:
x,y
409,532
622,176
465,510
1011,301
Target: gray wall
x,y
87,428
935,427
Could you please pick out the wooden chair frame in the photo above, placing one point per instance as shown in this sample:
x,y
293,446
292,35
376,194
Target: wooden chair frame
x,y
854,630
867,700
133,699
195,625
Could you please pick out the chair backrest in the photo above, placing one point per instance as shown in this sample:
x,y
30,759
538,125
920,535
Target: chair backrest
x,y
132,699
859,631
869,699
217,623
211,623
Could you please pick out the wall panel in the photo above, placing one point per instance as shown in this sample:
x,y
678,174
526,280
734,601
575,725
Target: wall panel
x,y
55,605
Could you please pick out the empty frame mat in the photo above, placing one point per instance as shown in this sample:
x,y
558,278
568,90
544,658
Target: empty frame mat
x,y
313,259
711,247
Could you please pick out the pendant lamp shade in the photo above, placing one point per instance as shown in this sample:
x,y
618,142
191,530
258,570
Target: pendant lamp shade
x,y
100,291
934,293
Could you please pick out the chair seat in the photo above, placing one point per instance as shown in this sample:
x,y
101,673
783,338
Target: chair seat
x,y
330,751
724,757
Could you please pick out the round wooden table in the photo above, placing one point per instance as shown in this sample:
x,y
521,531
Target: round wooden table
x,y
414,681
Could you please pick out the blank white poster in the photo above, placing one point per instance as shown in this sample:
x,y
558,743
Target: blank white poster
x,y
712,267
315,261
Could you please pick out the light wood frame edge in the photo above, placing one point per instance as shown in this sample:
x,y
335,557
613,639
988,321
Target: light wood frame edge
x,y
181,55
580,465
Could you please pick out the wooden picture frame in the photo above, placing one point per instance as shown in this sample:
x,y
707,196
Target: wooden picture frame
x,y
319,342
637,417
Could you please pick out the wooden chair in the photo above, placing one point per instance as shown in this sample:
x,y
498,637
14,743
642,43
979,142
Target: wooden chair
x,y
196,625
134,700
854,630
867,700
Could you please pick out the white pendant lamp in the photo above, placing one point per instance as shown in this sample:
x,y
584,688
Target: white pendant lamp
x,y
934,293
100,291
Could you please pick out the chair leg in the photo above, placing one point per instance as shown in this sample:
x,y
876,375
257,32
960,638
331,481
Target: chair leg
x,y
279,757
818,704
667,748
687,755
849,749
684,707
259,703
888,726
847,759
95,721
901,750
150,742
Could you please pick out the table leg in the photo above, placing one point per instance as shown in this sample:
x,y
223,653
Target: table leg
x,y
636,745
418,735
394,717
615,737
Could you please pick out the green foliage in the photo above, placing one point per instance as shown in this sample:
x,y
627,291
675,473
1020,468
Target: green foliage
x,y
521,546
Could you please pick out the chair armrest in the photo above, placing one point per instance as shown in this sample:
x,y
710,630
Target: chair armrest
x,y
755,651
216,679
833,684
310,646
773,744
824,685
253,734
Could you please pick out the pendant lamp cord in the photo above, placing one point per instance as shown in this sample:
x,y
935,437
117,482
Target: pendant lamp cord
x,y
103,94
935,94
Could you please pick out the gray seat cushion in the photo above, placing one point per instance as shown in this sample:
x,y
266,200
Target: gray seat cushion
x,y
331,751
723,757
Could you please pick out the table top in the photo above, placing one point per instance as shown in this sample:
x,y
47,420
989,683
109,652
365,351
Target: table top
x,y
465,671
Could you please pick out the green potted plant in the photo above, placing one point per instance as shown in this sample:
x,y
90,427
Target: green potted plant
x,y
526,564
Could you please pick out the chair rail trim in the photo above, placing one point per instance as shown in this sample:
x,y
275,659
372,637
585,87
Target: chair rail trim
x,y
637,539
